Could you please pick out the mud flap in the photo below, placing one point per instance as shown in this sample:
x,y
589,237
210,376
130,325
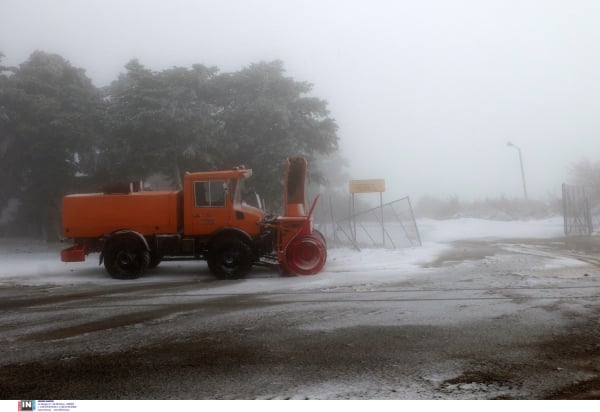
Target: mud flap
x,y
75,253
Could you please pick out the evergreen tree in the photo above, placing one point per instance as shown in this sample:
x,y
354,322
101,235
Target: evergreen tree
x,y
197,119
51,123
268,117
57,130
158,122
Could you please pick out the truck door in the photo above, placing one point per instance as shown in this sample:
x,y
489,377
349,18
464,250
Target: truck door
x,y
211,209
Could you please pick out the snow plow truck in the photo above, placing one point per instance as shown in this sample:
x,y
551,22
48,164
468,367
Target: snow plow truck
x,y
134,230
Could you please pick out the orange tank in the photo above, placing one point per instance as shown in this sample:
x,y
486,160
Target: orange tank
x,y
149,213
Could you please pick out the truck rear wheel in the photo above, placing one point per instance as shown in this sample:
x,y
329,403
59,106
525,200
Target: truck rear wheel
x,y
229,258
126,259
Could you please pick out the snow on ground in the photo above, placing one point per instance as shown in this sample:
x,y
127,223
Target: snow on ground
x,y
470,228
33,263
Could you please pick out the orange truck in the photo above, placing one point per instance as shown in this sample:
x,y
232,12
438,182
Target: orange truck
x,y
135,230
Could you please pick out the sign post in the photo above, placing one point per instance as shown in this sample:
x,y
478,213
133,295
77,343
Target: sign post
x,y
368,186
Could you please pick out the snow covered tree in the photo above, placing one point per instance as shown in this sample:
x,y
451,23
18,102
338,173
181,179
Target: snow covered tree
x,y
268,117
50,123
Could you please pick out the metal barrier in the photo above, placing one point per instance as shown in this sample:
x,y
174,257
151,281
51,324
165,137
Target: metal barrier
x,y
581,213
391,225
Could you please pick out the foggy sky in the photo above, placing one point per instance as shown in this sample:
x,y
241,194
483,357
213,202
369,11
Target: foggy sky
x,y
426,93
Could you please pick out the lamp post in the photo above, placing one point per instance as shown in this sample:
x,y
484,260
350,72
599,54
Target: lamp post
x,y
522,170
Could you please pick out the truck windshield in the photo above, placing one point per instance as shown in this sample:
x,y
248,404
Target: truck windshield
x,y
236,188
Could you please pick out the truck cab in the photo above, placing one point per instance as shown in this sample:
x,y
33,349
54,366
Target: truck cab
x,y
212,202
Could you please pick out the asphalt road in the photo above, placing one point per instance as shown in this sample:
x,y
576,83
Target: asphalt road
x,y
486,322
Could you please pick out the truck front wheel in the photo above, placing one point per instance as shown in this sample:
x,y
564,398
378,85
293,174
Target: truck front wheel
x,y
126,259
229,258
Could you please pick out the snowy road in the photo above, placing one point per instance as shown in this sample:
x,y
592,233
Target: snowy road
x,y
467,316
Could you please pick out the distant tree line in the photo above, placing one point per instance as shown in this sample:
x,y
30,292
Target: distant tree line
x,y
60,134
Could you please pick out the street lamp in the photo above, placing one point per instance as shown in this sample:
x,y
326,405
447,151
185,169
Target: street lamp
x,y
522,170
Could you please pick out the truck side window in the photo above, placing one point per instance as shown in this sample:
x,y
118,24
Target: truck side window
x,y
210,193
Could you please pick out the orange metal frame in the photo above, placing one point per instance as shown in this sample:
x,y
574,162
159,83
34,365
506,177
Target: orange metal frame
x,y
290,227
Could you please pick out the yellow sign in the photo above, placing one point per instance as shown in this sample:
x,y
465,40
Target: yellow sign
x,y
367,186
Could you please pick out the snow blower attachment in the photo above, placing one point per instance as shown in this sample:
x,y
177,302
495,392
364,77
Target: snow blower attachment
x,y
206,220
300,249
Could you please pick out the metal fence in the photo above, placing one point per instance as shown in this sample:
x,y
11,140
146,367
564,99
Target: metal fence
x,y
581,211
391,225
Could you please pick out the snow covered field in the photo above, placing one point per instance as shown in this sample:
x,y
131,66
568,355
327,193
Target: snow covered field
x,y
34,263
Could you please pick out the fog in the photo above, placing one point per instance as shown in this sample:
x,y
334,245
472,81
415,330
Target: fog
x,y
426,93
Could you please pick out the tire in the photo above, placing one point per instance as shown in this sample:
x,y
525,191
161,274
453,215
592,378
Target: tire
x,y
126,258
230,258
306,255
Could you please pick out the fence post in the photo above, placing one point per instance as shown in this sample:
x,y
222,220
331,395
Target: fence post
x,y
382,220
564,206
414,221
334,232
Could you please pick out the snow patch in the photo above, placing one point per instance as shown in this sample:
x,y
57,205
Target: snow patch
x,y
470,228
